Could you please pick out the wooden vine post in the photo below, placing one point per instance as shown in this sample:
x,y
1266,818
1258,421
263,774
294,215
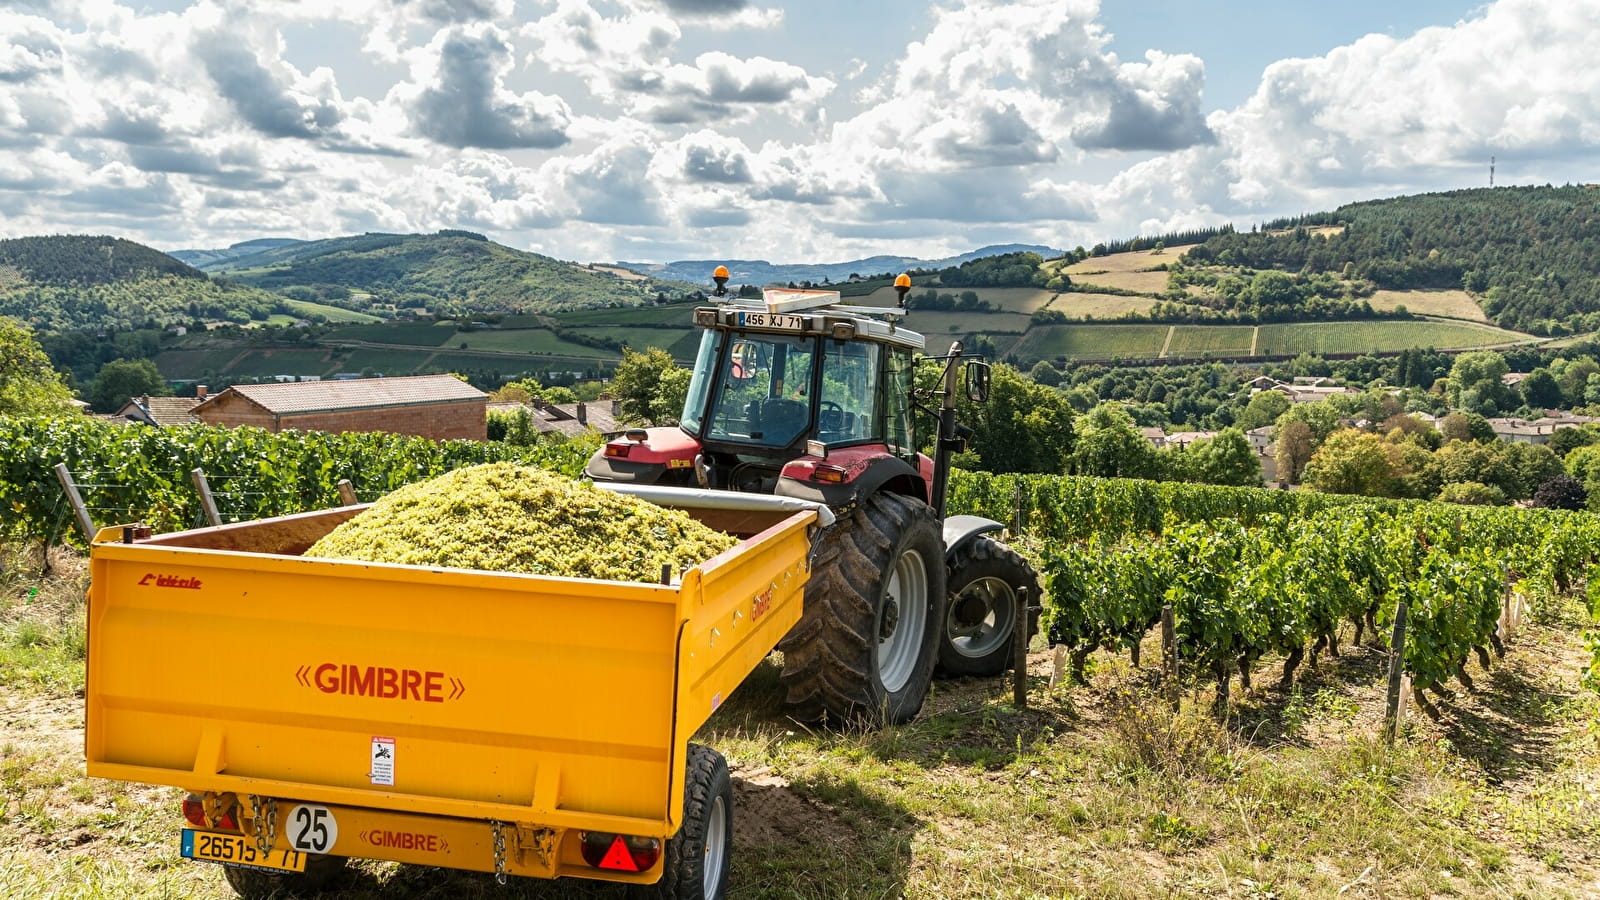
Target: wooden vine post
x,y
1169,656
1019,650
1394,709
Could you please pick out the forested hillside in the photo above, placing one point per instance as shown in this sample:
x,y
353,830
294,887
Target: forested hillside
x,y
70,282
449,273
1530,255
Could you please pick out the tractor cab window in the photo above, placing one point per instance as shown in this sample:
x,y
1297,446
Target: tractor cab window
x,y
763,390
897,399
851,377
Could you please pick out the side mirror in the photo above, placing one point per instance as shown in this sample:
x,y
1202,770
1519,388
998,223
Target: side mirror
x,y
977,374
744,362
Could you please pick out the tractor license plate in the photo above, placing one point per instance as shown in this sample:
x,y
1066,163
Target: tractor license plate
x,y
240,851
779,321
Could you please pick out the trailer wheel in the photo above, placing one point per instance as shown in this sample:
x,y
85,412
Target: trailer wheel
x,y
696,858
864,649
986,578
254,884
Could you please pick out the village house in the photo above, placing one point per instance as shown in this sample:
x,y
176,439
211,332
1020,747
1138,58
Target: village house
x,y
441,407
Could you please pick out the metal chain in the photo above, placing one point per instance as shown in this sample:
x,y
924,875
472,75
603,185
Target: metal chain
x,y
266,810
499,854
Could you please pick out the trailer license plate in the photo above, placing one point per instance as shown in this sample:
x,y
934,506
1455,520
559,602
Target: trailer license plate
x,y
240,851
772,320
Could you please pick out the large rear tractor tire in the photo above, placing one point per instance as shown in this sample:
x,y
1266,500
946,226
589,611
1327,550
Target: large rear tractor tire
x,y
864,650
697,857
986,581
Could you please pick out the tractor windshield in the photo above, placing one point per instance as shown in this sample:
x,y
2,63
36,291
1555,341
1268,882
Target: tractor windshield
x,y
763,388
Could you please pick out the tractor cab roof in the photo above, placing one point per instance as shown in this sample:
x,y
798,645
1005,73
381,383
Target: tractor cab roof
x,y
789,311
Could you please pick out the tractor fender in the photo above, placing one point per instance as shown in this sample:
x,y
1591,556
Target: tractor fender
x,y
867,475
961,530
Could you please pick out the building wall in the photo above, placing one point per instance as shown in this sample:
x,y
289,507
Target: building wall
x,y
233,411
464,419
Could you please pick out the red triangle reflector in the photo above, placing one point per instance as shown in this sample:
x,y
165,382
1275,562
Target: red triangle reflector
x,y
618,858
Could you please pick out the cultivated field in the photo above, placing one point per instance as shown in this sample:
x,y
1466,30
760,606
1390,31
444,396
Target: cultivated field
x,y
1014,300
1368,336
1094,791
934,322
1215,340
1077,305
1451,304
1124,271
1091,342
334,314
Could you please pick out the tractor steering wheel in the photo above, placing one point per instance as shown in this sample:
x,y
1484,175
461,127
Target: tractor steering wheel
x,y
830,416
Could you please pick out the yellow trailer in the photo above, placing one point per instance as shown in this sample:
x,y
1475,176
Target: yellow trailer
x,y
525,725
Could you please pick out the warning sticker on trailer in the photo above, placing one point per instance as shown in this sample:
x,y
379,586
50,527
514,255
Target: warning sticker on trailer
x,y
382,771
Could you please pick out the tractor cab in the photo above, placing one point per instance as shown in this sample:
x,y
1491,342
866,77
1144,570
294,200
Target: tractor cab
x,y
797,373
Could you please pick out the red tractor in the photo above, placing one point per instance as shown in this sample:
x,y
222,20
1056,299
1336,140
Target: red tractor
x,y
801,396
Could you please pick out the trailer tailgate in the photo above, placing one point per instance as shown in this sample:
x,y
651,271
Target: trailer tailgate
x,y
434,691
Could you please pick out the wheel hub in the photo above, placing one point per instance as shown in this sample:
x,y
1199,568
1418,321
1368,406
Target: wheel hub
x,y
970,610
891,618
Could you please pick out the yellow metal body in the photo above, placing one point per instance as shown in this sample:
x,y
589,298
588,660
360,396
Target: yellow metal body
x,y
220,660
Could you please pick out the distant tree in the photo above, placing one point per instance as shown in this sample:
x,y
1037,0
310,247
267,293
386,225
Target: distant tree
x,y
1566,440
1023,427
1477,383
1353,462
1109,445
1321,418
1540,390
1295,445
1226,459
1044,373
650,387
1534,465
121,379
1561,492
1489,463
1459,426
1264,408
28,385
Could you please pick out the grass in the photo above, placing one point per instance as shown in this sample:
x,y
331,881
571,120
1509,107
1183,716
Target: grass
x,y
1096,790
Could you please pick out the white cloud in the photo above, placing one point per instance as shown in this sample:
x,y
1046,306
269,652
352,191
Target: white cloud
x,y
626,62
458,96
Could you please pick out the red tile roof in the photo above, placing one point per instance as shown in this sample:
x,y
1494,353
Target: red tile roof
x,y
364,393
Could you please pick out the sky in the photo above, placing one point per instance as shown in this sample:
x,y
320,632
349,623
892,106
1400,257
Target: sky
x,y
656,130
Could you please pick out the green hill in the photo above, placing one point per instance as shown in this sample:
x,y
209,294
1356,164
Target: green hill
x,y
1529,255
72,282
452,273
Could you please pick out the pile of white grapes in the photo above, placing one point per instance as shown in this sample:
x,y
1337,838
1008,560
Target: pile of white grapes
x,y
502,517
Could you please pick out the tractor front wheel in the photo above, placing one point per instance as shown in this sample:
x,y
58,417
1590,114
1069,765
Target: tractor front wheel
x,y
864,649
986,582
